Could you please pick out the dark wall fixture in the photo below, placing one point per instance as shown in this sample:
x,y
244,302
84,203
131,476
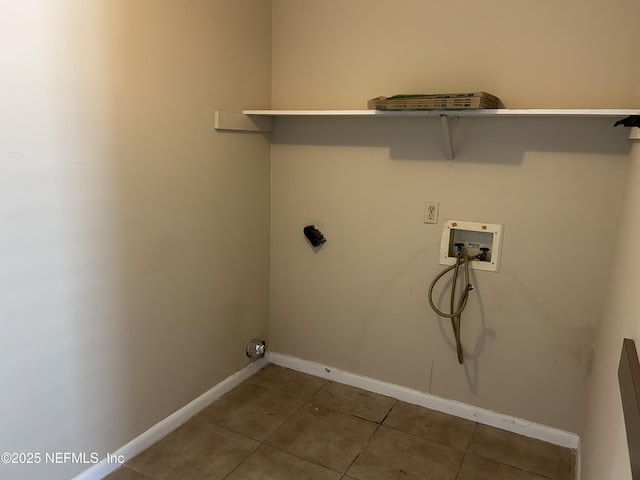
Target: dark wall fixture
x,y
315,236
630,121
629,379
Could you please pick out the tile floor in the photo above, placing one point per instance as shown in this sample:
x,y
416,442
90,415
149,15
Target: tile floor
x,y
284,425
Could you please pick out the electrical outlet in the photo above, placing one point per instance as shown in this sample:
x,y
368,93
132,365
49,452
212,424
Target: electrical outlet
x,y
431,212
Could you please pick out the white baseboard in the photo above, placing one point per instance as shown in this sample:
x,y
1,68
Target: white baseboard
x,y
416,397
578,461
167,425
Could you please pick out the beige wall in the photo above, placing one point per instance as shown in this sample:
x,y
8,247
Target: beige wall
x,y
131,276
556,185
531,53
605,453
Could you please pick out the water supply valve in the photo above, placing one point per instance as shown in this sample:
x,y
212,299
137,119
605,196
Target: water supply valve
x,y
481,242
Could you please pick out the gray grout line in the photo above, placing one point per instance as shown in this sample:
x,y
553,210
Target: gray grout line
x,y
131,467
364,447
243,460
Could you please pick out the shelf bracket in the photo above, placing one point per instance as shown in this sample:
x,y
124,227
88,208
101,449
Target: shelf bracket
x,y
448,125
239,122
